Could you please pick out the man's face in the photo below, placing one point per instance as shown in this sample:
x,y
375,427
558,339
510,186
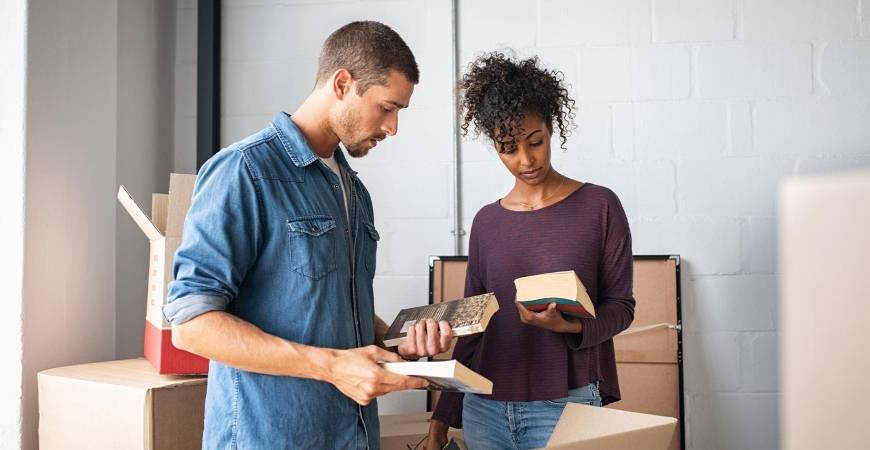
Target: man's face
x,y
363,120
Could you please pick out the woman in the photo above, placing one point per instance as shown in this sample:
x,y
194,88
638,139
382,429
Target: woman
x,y
548,222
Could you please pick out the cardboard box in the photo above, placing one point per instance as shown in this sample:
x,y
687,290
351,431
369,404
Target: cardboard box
x,y
164,231
651,388
581,427
648,362
584,427
119,405
399,431
824,243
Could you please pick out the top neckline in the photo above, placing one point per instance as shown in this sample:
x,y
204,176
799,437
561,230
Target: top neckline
x,y
572,194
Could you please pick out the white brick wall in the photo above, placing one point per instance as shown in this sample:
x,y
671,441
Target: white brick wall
x,y
755,70
800,20
692,20
846,67
691,111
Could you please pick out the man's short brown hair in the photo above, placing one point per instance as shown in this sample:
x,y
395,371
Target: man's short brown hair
x,y
369,51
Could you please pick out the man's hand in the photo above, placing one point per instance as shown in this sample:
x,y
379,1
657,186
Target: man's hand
x,y
426,338
550,319
437,438
356,374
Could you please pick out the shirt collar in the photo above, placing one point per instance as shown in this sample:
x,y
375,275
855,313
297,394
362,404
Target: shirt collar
x,y
297,147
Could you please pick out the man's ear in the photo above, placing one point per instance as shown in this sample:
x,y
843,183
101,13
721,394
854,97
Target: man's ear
x,y
342,83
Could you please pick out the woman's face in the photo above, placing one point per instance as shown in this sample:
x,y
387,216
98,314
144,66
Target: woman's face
x,y
530,162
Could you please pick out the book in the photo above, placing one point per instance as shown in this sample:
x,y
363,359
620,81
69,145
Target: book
x,y
450,375
564,289
466,316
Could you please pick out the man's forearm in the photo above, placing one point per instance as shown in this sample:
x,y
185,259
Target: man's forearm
x,y
222,337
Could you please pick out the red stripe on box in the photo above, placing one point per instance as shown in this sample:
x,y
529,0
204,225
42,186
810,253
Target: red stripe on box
x,y
166,358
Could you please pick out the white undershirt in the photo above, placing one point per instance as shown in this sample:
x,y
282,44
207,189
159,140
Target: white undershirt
x,y
333,165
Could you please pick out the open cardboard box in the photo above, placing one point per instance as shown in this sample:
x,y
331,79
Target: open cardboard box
x,y
584,427
164,230
581,427
119,405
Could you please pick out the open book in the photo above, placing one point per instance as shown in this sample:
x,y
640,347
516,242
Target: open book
x,y
466,316
564,289
448,375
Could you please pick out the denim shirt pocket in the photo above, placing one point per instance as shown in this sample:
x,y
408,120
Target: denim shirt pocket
x,y
312,245
371,248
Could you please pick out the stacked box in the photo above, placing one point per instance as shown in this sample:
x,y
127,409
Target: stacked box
x,y
119,405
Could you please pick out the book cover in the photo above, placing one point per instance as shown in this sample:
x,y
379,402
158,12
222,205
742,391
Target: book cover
x,y
449,376
466,316
564,289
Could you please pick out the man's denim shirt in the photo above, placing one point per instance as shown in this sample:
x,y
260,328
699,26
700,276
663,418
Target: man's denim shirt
x,y
267,239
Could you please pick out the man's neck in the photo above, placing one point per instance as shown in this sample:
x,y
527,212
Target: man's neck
x,y
311,118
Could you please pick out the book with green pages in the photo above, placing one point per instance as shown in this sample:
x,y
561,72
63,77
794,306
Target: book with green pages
x,y
565,289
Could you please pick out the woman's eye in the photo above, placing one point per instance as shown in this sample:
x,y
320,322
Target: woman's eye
x,y
535,144
386,109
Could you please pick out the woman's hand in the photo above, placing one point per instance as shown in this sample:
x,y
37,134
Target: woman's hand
x,y
550,319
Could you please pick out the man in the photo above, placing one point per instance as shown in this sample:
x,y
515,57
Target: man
x,y
273,280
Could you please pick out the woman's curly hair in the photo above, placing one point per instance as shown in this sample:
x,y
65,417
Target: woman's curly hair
x,y
498,91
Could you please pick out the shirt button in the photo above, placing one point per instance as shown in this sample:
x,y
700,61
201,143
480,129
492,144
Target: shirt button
x,y
335,186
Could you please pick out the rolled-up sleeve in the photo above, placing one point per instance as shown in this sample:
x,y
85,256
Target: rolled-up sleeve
x,y
220,240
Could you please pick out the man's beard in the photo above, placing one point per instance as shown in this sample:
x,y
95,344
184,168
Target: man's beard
x,y
357,148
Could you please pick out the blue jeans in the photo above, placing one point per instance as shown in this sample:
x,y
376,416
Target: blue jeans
x,y
495,425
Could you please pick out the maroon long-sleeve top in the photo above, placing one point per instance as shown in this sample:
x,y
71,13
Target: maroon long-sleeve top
x,y
586,232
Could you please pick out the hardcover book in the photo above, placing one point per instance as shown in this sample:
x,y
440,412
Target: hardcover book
x,y
450,376
564,289
466,316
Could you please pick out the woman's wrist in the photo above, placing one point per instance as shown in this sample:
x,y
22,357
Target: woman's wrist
x,y
572,325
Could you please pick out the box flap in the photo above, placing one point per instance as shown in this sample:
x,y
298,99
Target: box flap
x,y
591,427
135,373
138,216
180,193
159,210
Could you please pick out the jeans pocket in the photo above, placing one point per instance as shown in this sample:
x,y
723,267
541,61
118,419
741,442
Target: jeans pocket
x,y
596,394
586,395
312,245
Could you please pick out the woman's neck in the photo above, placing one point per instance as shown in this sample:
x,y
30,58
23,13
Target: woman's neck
x,y
537,193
